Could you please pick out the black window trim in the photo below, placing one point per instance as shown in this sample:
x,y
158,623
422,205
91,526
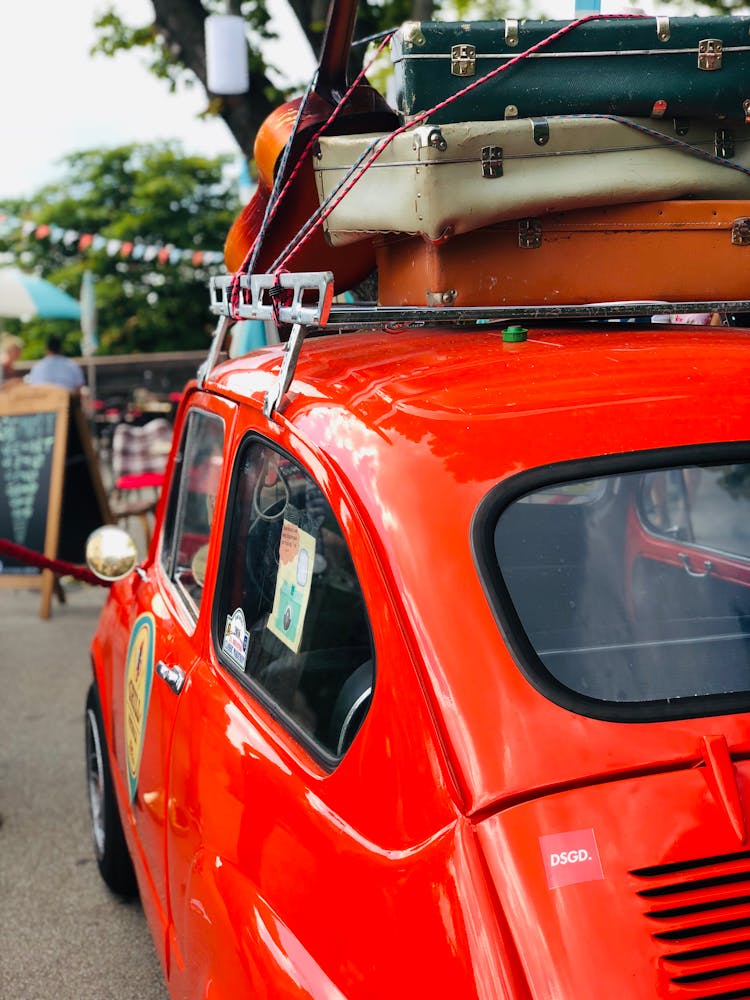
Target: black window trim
x,y
175,510
511,629
324,758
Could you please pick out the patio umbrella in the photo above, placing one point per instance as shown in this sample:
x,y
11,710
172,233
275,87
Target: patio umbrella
x,y
24,296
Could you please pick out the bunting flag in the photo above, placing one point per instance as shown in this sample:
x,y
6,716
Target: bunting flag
x,y
136,249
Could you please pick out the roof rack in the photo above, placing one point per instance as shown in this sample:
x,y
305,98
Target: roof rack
x,y
256,302
305,300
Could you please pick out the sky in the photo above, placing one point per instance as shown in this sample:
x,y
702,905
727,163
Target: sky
x,y
57,99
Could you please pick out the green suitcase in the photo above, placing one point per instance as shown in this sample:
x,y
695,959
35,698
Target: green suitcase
x,y
680,67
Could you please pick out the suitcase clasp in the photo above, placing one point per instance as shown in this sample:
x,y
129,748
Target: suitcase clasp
x,y
463,60
741,232
492,161
710,51
530,234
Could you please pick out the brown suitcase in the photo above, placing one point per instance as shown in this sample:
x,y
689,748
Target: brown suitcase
x,y
670,251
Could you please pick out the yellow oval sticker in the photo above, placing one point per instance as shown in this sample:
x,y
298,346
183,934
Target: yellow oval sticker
x,y
139,672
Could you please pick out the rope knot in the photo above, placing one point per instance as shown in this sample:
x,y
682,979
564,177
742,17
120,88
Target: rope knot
x,y
280,297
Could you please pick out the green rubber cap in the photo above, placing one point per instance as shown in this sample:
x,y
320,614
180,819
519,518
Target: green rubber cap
x,y
514,334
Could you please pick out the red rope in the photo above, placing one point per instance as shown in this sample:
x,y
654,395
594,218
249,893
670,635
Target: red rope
x,y
234,296
305,234
58,566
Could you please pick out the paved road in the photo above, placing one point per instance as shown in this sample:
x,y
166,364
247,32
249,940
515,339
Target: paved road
x,y
63,936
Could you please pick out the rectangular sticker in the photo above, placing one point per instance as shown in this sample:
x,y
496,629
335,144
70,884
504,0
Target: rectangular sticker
x,y
571,857
236,639
293,584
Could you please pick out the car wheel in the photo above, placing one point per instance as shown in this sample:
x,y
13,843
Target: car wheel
x,y
112,855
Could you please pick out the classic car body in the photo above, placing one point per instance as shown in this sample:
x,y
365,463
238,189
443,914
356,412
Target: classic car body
x,y
498,747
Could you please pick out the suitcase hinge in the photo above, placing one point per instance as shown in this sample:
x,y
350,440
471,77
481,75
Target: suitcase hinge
x,y
511,32
463,60
446,298
425,136
663,30
709,54
540,131
492,161
741,232
724,143
530,234
411,33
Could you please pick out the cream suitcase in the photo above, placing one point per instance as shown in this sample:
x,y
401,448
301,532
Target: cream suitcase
x,y
440,181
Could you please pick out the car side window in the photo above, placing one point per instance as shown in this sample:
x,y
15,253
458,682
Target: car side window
x,y
291,614
192,498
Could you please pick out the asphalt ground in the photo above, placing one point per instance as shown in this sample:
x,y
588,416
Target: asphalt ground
x,y
63,935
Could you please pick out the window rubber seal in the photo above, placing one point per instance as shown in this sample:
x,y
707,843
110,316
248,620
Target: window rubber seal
x,y
511,629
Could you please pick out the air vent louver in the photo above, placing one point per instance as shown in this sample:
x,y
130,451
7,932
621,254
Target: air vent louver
x,y
699,911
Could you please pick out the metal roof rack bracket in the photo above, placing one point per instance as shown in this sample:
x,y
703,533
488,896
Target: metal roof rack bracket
x,y
302,300
309,299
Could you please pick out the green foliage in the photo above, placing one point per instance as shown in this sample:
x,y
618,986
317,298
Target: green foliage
x,y
151,194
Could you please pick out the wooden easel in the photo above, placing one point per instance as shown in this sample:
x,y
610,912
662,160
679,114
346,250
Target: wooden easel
x,y
48,476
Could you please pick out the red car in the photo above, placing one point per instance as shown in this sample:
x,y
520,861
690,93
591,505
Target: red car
x,y
435,680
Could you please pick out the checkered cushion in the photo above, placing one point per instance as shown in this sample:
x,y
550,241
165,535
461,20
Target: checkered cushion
x,y
140,452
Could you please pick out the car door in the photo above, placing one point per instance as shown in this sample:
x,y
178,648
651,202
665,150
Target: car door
x,y
293,638
165,619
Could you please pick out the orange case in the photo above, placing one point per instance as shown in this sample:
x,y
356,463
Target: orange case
x,y
670,250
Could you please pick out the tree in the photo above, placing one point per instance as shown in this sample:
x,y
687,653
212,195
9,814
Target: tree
x,y
151,196
174,42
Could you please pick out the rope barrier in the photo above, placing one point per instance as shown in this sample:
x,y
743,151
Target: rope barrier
x,y
58,566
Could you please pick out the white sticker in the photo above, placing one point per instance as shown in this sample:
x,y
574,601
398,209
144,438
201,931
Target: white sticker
x,y
236,638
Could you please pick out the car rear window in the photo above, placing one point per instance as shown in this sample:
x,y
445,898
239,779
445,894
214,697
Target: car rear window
x,y
626,595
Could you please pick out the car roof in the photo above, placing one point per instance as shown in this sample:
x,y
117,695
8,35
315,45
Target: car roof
x,y
422,424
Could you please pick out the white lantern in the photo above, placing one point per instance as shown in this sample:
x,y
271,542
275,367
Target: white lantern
x,y
226,55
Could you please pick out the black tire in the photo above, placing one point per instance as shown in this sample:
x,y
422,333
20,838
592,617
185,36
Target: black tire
x,y
111,851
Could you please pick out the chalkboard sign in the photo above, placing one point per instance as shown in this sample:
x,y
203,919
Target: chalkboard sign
x,y
51,495
26,442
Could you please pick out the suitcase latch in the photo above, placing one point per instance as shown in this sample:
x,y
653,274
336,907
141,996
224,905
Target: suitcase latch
x,y
530,234
724,143
710,51
492,161
463,60
511,32
741,232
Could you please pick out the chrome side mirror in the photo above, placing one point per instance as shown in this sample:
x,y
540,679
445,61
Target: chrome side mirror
x,y
110,553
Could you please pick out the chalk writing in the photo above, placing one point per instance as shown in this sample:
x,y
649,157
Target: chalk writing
x,y
25,455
